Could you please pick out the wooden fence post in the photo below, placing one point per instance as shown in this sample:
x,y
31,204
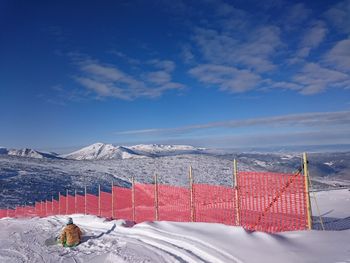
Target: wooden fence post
x,y
236,197
133,198
192,205
156,205
307,193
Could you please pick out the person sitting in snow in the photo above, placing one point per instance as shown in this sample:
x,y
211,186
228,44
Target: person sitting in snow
x,y
71,234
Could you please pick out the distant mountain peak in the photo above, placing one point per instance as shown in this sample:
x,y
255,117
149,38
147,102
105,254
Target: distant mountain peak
x,y
105,151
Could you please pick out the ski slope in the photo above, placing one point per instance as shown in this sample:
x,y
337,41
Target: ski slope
x,y
28,240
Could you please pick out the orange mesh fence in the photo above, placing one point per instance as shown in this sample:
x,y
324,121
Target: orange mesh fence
x,y
55,205
62,205
174,203
144,202
271,202
70,204
48,208
214,204
3,213
122,203
106,204
80,207
91,204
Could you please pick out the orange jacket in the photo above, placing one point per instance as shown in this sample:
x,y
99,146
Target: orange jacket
x,y
71,235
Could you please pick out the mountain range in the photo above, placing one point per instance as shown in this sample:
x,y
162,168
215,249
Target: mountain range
x,y
103,151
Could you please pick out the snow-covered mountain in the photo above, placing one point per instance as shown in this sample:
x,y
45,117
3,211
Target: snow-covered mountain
x,y
29,153
161,150
102,151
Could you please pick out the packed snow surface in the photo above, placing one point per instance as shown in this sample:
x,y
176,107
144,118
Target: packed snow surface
x,y
27,240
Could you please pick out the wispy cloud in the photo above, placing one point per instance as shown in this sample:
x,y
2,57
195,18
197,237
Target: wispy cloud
x,y
106,80
312,38
339,56
251,51
339,16
227,78
314,79
318,119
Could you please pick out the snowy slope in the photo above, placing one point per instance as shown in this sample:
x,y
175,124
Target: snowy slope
x,y
102,151
28,240
29,153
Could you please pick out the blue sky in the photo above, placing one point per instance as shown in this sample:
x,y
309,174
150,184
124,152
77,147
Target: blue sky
x,y
208,73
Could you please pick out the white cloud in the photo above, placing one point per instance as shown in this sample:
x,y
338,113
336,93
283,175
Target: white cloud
x,y
308,120
339,56
339,16
315,79
252,50
296,15
312,38
227,78
109,81
166,65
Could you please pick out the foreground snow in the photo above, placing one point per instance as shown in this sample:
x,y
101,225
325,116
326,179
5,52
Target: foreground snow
x,y
24,240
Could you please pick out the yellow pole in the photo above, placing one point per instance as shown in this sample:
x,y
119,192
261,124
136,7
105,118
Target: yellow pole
x,y
235,185
193,216
133,198
156,206
112,201
308,203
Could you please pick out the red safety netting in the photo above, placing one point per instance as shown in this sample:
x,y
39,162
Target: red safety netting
x,y
49,208
144,202
271,202
38,209
214,204
174,203
55,205
70,204
62,205
11,213
106,204
3,213
91,204
122,203
80,209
